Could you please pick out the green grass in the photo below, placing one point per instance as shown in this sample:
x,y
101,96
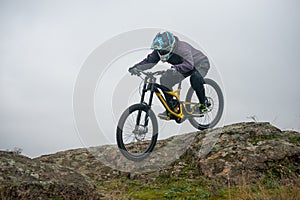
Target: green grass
x,y
165,187
294,139
173,188
189,184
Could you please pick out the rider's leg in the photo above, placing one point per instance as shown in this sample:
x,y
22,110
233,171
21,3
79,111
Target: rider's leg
x,y
197,79
197,82
169,79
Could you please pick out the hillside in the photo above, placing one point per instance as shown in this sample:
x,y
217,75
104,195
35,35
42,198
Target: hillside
x,y
249,160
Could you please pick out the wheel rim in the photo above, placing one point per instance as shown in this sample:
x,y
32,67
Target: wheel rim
x,y
137,139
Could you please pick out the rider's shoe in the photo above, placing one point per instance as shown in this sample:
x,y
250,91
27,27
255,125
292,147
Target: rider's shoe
x,y
202,109
164,115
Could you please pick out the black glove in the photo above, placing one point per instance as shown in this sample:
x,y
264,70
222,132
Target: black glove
x,y
171,71
134,71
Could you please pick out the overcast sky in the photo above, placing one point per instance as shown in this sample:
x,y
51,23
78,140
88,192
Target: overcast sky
x,y
254,44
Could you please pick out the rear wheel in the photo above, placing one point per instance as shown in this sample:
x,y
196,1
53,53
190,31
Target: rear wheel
x,y
136,138
215,98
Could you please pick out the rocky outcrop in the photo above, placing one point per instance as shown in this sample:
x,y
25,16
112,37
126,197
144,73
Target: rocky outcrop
x,y
251,152
24,178
240,152
236,154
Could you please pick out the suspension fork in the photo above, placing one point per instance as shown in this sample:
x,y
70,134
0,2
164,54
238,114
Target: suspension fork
x,y
147,86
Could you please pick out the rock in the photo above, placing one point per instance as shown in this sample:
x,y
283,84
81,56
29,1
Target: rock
x,y
24,178
84,162
240,152
251,152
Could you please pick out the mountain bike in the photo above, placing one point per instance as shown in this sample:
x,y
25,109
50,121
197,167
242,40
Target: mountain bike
x,y
137,129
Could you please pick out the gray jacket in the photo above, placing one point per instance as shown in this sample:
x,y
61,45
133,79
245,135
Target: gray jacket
x,y
184,58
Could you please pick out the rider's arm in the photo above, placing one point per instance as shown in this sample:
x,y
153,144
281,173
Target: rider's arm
x,y
150,61
186,53
187,64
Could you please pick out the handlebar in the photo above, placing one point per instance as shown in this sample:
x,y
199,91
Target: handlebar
x,y
150,74
157,73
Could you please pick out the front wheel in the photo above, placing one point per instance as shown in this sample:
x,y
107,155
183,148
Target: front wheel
x,y
215,98
137,132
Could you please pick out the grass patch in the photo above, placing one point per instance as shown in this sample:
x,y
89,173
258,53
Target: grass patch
x,y
174,188
165,187
294,139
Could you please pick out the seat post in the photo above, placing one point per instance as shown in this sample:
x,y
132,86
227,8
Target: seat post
x,y
178,89
179,85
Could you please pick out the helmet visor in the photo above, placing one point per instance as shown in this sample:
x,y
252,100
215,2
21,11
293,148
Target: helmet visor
x,y
163,52
164,55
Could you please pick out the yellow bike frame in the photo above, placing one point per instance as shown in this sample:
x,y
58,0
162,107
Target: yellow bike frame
x,y
151,85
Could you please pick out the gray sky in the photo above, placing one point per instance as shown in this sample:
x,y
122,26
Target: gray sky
x,y
254,44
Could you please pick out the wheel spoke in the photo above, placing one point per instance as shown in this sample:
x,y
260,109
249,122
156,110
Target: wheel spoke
x,y
136,139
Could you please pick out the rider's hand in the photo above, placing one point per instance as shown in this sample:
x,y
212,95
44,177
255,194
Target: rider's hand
x,y
134,71
172,70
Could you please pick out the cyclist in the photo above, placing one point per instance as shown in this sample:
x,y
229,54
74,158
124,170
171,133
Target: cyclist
x,y
186,62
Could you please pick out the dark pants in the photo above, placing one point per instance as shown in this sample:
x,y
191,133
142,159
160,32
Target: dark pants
x,y
169,79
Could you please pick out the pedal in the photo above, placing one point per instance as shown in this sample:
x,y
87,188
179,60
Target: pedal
x,y
164,117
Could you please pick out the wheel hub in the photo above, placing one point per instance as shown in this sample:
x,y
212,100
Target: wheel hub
x,y
211,102
140,132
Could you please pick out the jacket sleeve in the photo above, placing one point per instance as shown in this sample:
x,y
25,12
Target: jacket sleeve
x,y
188,61
150,61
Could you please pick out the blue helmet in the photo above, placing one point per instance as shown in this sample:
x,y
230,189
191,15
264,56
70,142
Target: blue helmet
x,y
164,43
